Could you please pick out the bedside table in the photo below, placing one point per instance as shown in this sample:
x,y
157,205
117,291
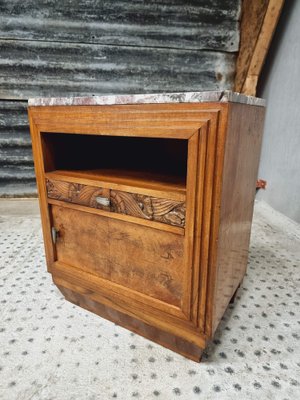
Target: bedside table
x,y
146,205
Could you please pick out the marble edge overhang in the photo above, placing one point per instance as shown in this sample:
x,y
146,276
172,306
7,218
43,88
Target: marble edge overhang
x,y
223,96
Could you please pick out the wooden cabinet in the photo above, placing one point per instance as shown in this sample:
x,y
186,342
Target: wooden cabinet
x,y
147,205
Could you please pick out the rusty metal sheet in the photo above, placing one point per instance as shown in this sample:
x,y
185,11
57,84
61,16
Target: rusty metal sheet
x,y
84,47
184,24
16,164
29,69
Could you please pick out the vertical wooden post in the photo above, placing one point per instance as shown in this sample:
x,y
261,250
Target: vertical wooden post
x,y
258,23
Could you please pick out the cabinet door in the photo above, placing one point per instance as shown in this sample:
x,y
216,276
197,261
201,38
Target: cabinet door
x,y
139,258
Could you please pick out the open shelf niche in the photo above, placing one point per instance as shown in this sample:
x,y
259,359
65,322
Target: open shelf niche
x,y
156,163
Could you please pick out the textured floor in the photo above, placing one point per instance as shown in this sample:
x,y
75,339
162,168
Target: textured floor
x,y
51,349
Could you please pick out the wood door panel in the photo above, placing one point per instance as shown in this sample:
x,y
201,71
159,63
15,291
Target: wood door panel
x,y
127,254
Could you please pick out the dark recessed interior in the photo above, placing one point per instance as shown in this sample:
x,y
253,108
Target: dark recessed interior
x,y
137,154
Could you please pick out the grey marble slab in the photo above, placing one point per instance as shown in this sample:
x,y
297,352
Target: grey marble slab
x,y
224,96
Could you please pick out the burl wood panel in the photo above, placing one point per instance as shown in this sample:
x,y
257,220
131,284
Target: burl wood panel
x,y
167,211
242,152
137,257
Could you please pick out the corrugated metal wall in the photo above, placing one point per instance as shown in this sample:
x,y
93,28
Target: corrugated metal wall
x,y
63,48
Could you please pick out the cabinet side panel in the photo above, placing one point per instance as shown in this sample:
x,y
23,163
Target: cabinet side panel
x,y
42,160
242,153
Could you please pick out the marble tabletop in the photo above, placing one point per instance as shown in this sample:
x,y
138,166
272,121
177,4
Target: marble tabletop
x,y
223,96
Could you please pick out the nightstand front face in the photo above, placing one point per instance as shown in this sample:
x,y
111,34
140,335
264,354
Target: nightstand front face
x,y
126,195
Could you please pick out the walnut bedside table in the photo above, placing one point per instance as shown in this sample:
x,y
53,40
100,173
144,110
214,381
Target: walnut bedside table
x,y
146,205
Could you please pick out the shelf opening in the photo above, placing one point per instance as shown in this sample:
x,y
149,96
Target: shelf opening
x,y
117,157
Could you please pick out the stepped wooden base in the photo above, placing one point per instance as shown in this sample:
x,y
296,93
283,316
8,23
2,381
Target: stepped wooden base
x,y
165,339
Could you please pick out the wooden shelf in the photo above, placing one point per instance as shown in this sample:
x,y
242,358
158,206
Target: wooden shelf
x,y
152,183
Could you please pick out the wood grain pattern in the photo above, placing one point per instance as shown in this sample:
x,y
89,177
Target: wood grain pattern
x,y
147,309
161,210
121,217
162,337
237,202
262,46
258,22
77,193
252,17
137,205
150,184
42,161
174,279
130,255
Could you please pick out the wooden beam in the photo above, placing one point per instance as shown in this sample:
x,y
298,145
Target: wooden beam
x,y
258,23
